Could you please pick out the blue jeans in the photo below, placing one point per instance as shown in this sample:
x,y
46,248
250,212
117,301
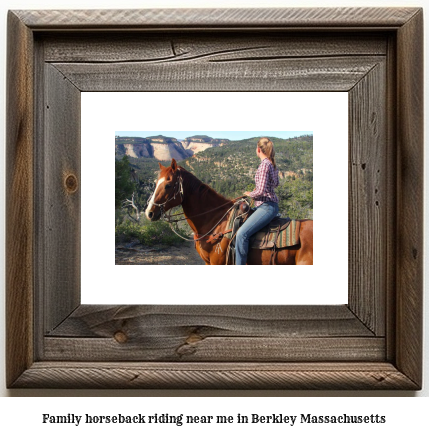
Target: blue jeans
x,y
260,218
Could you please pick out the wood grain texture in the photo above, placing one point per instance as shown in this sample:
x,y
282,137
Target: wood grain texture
x,y
61,186
249,376
178,347
368,202
330,74
391,192
233,47
206,18
99,321
409,278
213,333
19,200
189,347
39,153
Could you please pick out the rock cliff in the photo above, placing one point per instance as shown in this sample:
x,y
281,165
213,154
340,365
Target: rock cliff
x,y
164,148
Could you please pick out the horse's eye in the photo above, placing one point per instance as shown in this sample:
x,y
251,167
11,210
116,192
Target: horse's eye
x,y
168,185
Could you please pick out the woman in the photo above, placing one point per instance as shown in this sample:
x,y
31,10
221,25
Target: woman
x,y
266,200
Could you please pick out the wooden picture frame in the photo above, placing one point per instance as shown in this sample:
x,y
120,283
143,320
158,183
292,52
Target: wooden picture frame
x,y
373,342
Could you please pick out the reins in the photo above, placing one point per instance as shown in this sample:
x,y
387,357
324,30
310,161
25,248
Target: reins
x,y
167,218
211,210
203,236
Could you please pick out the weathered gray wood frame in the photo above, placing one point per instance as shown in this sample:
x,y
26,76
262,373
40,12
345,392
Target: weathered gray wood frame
x,y
374,342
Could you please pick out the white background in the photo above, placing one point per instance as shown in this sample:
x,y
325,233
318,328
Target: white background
x,y
325,114
23,414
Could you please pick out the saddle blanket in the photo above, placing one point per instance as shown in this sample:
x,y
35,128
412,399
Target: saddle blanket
x,y
287,237
266,237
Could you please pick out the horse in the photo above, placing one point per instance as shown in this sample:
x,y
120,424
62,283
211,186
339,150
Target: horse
x,y
206,212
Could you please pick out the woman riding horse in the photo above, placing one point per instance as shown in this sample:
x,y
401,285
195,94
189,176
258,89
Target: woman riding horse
x,y
207,213
266,201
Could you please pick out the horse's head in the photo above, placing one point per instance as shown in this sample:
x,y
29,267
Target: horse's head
x,y
167,192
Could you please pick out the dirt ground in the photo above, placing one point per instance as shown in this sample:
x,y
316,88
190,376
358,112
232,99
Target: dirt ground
x,y
134,253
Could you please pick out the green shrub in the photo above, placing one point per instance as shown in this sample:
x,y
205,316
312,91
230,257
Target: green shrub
x,y
147,233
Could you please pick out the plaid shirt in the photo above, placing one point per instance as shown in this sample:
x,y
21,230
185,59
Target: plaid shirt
x,y
266,179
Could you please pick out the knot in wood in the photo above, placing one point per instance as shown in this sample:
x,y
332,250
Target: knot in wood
x,y
120,337
71,183
193,338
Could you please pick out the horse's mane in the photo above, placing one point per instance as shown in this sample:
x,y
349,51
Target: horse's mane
x,y
194,185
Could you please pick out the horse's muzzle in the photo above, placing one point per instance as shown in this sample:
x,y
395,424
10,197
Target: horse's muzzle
x,y
153,215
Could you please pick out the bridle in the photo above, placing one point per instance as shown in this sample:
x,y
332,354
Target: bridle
x,y
177,189
179,185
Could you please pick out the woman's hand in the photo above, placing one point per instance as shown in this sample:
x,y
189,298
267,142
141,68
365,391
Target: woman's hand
x,y
247,193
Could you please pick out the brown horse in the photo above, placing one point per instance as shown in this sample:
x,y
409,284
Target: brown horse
x,y
206,212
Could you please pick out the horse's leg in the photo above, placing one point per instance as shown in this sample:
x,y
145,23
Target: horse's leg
x,y
203,253
304,256
285,256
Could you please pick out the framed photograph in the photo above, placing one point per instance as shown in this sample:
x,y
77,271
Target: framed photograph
x,y
135,238
58,61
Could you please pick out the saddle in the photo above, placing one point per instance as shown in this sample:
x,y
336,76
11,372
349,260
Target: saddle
x,y
279,233
269,236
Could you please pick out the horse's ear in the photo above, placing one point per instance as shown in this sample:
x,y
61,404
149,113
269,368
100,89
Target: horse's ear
x,y
173,165
161,166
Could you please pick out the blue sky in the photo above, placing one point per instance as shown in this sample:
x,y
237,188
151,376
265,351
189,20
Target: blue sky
x,y
233,135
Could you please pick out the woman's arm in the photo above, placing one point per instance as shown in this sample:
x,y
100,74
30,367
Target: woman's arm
x,y
261,179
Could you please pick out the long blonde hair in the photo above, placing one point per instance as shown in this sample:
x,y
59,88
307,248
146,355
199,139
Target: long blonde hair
x,y
267,148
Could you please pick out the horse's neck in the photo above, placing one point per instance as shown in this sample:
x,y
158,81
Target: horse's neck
x,y
195,204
